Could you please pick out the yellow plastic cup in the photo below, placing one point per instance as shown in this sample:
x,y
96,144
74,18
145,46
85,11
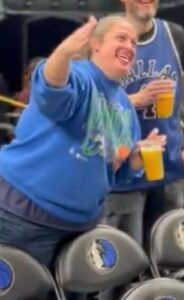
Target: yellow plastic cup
x,y
152,161
164,104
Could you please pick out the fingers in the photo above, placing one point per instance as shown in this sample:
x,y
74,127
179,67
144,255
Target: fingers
x,y
153,133
161,143
161,86
162,82
92,22
88,27
159,139
154,138
156,87
79,39
163,139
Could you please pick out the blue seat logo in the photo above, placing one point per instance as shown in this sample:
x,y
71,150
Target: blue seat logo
x,y
102,256
6,277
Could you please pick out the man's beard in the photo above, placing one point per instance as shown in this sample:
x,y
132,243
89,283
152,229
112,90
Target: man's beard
x,y
145,16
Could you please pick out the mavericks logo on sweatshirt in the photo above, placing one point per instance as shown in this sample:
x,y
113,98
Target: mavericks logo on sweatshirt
x,y
108,128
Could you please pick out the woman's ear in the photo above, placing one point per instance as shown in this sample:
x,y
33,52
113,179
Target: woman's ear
x,y
94,45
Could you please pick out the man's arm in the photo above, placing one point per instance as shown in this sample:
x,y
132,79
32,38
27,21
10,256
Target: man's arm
x,y
177,32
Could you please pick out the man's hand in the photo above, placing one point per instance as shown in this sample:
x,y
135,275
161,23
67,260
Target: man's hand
x,y
148,94
78,41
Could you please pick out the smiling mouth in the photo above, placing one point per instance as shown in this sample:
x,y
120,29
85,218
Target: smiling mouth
x,y
145,1
124,59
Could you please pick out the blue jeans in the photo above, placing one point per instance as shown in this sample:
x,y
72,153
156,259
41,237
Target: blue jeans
x,y
39,241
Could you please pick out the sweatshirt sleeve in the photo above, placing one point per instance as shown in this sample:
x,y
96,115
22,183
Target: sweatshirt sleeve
x,y
59,104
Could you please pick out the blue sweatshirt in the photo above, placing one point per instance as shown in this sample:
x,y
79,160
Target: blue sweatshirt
x,y
62,155
157,58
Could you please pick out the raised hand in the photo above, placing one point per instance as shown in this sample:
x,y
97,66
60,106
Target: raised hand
x,y
78,41
57,65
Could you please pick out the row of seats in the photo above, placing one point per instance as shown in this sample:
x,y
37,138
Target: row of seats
x,y
102,259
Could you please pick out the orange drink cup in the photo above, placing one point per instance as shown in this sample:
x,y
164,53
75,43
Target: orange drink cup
x,y
152,161
164,104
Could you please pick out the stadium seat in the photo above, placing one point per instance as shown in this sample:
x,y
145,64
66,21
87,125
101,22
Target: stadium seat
x,y
21,276
98,260
167,243
156,289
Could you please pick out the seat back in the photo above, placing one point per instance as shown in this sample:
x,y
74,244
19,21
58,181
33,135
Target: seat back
x,y
167,241
99,259
156,289
21,276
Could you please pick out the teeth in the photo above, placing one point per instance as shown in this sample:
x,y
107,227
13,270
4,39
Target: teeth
x,y
145,2
124,59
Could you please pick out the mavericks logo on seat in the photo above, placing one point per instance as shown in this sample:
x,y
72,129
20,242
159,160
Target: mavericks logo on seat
x,y
179,235
6,277
102,256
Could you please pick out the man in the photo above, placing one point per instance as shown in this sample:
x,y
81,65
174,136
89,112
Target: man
x,y
159,63
77,119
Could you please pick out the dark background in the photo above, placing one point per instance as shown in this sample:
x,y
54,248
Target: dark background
x,y
19,32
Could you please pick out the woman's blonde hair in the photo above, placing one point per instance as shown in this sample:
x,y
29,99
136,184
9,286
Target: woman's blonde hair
x,y
106,23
